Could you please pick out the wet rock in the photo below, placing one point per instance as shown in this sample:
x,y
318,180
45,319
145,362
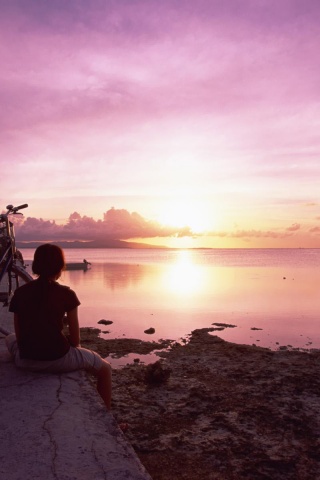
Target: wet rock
x,y
120,346
90,333
224,325
157,373
105,322
150,331
223,400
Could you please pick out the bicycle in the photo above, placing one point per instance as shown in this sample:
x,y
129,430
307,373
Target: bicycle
x,y
11,259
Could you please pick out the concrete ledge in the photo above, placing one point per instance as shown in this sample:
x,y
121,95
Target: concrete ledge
x,y
55,427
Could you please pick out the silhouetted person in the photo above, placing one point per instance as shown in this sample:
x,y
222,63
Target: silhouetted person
x,y
39,307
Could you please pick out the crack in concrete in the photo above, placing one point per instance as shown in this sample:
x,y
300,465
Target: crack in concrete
x,y
47,429
100,465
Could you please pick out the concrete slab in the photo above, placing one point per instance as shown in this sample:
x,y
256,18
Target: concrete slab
x,y
55,427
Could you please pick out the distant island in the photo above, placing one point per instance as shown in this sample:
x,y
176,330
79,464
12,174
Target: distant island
x,y
109,243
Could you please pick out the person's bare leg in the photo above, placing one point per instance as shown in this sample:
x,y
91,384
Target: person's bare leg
x,y
104,384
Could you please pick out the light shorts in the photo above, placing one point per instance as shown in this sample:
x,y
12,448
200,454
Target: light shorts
x,y
77,358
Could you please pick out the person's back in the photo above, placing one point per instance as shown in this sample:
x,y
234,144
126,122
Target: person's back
x,y
41,306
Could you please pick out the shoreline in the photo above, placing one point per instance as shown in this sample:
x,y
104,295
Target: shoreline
x,y
218,410
273,292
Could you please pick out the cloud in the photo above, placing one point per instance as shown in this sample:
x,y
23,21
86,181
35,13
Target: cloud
x,y
294,227
120,224
315,230
117,224
135,97
33,229
259,234
245,234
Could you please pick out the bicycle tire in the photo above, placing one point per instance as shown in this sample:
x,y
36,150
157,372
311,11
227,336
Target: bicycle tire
x,y
22,273
4,331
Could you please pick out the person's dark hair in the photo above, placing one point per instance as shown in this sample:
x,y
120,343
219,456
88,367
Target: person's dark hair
x,y
48,261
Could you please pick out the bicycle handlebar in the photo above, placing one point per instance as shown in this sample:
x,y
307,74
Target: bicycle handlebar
x,y
12,209
20,207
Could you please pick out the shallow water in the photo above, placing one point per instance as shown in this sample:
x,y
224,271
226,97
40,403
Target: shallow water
x,y
270,295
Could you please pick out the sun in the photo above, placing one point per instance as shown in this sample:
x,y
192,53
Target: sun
x,y
185,213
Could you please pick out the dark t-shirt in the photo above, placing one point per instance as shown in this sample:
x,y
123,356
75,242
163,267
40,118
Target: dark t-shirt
x,y
41,306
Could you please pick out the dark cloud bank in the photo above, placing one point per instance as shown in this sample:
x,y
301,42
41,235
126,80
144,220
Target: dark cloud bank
x,y
117,228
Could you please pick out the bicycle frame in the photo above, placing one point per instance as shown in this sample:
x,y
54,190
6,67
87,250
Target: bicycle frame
x,y
11,260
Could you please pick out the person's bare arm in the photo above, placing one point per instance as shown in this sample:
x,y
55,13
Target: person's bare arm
x,y
16,325
74,331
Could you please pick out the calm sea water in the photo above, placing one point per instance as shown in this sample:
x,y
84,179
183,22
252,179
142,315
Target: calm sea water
x,y
271,296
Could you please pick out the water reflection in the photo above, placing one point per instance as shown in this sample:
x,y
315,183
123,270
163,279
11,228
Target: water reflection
x,y
189,292
122,276
184,277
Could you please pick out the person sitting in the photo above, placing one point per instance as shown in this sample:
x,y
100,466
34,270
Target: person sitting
x,y
39,307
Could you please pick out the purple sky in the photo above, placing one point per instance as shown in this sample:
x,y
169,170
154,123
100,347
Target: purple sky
x,y
191,113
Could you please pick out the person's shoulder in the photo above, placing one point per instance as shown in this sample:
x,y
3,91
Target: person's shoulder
x,y
26,287
67,294
63,288
25,291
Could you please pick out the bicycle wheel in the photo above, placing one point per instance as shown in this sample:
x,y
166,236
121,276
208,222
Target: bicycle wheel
x,y
20,274
6,281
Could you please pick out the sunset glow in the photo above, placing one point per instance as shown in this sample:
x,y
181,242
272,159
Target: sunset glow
x,y
185,278
194,123
186,213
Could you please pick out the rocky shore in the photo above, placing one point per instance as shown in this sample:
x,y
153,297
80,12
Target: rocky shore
x,y
217,410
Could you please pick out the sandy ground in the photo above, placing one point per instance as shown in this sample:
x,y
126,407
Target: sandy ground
x,y
217,410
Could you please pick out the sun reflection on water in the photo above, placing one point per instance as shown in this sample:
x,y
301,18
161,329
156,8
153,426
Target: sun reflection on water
x,y
184,277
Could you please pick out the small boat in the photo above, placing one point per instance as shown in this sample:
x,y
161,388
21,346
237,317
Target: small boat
x,y
78,265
